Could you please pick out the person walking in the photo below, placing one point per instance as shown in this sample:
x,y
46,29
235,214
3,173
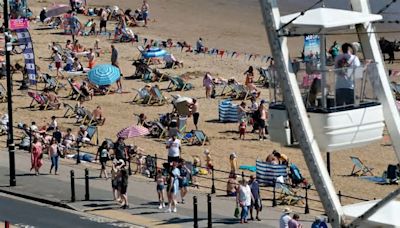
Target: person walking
x,y
114,62
145,12
244,199
294,222
36,156
91,58
123,187
120,149
256,202
174,149
208,84
160,188
173,187
194,107
183,179
285,218
114,180
53,155
103,151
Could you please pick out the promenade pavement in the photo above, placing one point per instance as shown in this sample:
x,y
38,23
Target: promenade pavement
x,y
143,211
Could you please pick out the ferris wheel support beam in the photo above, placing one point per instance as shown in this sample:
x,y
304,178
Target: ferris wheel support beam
x,y
381,87
298,115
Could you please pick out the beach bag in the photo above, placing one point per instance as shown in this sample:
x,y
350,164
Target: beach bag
x,y
295,174
236,212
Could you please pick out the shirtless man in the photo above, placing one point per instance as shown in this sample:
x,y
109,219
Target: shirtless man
x,y
98,115
261,121
195,112
52,98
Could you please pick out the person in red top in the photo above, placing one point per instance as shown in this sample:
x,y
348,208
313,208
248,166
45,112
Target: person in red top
x,y
36,156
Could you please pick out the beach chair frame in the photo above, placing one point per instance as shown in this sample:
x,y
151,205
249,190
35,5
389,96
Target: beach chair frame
x,y
41,104
69,112
93,132
359,168
52,83
288,196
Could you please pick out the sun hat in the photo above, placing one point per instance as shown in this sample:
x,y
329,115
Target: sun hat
x,y
82,127
233,154
287,210
206,151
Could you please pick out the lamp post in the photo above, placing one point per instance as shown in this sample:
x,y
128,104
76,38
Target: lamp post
x,y
10,138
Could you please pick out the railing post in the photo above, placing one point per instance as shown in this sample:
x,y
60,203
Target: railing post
x,y
87,195
213,190
273,193
195,218
340,196
30,140
155,167
72,186
306,208
209,206
129,165
78,157
242,175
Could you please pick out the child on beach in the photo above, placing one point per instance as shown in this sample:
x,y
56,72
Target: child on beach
x,y
209,164
242,129
160,188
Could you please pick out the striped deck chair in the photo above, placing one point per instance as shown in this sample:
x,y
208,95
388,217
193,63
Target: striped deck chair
x,y
264,75
3,93
178,84
92,132
267,173
38,101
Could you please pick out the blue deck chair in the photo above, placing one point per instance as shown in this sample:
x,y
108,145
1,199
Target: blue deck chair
x,y
158,98
92,132
359,169
52,83
178,84
200,137
142,96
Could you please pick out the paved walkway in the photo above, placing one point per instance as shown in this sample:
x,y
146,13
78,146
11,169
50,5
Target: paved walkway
x,y
143,210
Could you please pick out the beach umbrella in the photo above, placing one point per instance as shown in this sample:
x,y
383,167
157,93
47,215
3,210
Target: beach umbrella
x,y
133,131
104,74
57,10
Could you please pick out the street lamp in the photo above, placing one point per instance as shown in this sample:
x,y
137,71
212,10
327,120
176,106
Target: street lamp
x,y
10,138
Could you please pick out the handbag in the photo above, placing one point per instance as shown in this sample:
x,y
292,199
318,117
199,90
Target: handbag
x,y
236,213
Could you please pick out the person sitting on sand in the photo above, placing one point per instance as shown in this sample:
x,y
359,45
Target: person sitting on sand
x,y
142,121
98,115
77,65
200,46
171,61
52,98
69,45
282,158
232,185
183,45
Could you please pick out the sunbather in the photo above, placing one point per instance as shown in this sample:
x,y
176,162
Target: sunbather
x,y
171,61
68,140
86,90
250,79
98,115
54,102
82,135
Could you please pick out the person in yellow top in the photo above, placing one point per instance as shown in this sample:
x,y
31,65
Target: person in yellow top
x,y
283,158
233,162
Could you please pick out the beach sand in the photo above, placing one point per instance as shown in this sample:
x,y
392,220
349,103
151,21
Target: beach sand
x,y
228,25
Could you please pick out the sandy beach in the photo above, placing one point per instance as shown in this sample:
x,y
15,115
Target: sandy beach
x,y
226,25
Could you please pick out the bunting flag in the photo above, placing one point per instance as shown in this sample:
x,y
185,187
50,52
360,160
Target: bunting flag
x,y
25,42
221,53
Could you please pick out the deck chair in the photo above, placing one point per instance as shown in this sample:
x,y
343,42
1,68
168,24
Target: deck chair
x,y
3,93
142,96
264,75
75,93
38,101
200,137
80,114
69,111
178,84
52,83
359,169
92,132
288,196
158,98
240,91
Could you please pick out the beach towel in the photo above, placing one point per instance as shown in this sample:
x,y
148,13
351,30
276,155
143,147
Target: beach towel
x,y
375,179
250,168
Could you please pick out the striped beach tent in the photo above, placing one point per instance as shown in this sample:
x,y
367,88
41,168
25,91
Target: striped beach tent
x,y
267,173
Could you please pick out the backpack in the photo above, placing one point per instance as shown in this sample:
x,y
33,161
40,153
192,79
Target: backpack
x,y
295,174
183,171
